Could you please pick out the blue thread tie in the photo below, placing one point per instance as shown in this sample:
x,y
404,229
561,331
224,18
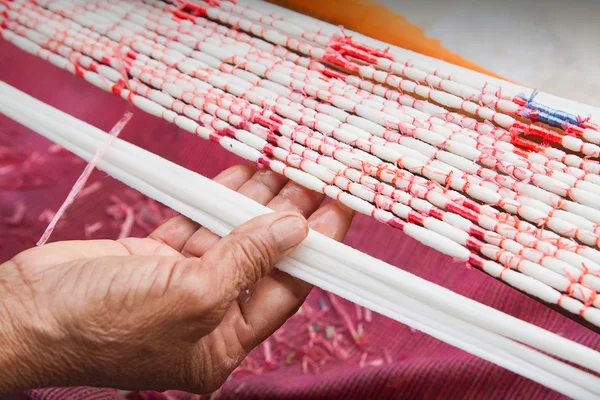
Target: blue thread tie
x,y
548,115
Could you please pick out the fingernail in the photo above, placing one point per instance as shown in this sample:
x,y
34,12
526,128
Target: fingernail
x,y
289,232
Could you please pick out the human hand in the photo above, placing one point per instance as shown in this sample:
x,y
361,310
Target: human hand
x,y
163,312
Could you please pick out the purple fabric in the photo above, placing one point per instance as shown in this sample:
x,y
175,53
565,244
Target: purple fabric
x,y
418,366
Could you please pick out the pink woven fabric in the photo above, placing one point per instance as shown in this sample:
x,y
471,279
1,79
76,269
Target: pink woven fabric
x,y
35,178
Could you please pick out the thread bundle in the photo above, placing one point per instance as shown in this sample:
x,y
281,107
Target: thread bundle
x,y
487,175
473,327
387,136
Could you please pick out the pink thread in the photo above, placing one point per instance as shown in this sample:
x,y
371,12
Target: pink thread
x,y
81,181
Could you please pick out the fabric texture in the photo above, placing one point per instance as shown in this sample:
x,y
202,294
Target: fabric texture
x,y
390,361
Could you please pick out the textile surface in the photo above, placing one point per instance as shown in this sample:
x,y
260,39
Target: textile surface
x,y
35,177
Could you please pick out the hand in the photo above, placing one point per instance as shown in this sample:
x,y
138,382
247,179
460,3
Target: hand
x,y
163,312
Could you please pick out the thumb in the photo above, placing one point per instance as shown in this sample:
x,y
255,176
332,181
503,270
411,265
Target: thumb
x,y
248,253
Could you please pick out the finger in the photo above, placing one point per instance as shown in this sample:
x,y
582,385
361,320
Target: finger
x,y
332,220
277,297
241,259
262,188
176,231
294,197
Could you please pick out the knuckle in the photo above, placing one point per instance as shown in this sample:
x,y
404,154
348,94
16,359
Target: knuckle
x,y
181,279
253,256
192,288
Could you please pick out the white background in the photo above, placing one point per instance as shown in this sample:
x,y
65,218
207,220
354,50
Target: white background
x,y
551,45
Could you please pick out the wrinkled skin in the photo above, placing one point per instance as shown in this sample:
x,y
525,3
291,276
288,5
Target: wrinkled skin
x,y
162,312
